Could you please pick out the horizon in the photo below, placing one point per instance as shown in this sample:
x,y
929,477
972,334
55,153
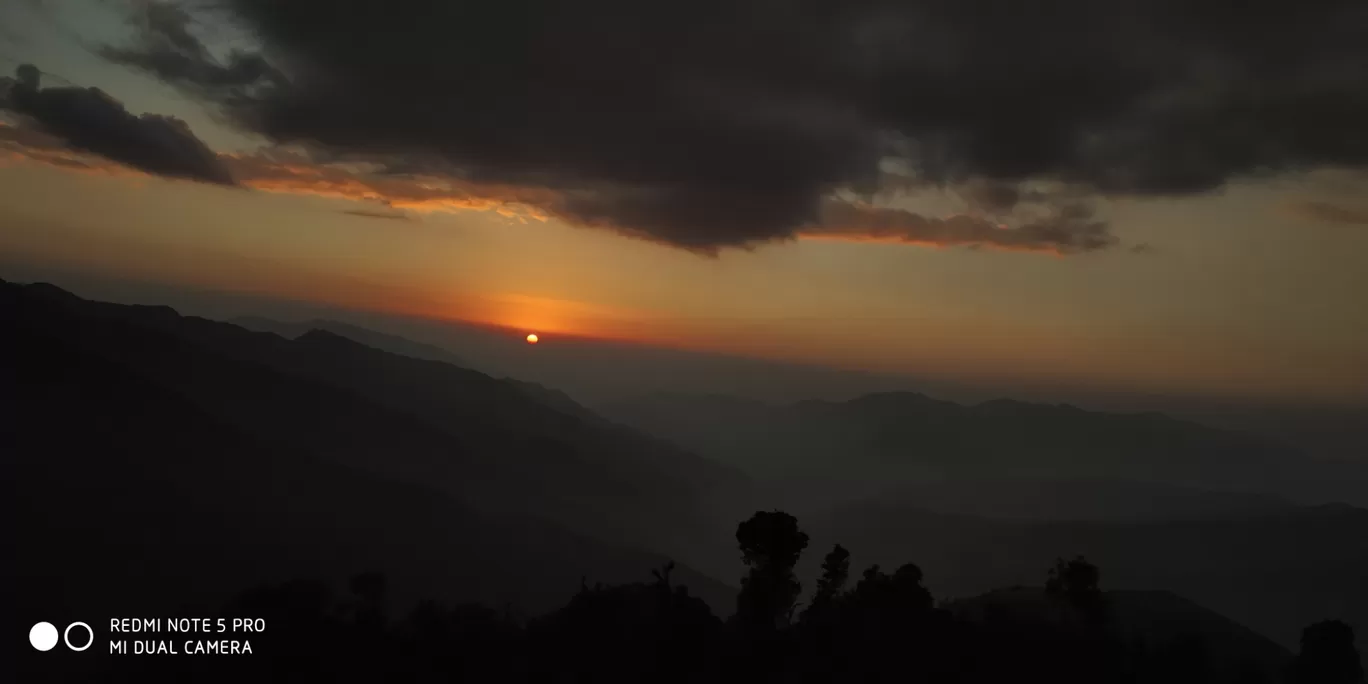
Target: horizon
x,y
1336,431
227,305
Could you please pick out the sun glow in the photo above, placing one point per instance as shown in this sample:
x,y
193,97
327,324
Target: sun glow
x,y
532,339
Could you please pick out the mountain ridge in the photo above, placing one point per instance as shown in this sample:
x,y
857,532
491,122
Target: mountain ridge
x,y
1273,573
190,509
394,344
297,396
911,437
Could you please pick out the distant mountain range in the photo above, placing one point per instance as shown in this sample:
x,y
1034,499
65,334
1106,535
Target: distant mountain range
x,y
985,496
1081,499
404,347
901,438
371,338
1273,572
597,372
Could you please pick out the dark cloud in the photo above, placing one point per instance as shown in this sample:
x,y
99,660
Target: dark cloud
x,y
377,214
711,124
89,120
992,197
169,49
27,143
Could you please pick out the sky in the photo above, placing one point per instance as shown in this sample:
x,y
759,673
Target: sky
x,y
1127,195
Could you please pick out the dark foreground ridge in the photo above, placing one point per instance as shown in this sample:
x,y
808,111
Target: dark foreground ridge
x,y
884,628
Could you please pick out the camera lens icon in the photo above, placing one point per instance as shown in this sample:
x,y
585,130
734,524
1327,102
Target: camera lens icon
x,y
43,636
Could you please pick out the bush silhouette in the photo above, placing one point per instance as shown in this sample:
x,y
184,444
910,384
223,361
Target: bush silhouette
x,y
1078,583
1328,655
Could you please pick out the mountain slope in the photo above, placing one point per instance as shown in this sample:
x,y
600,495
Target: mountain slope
x,y
154,501
1048,499
167,468
907,437
402,346
481,439
393,344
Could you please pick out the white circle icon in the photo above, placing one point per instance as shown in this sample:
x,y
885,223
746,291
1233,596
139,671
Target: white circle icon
x,y
43,636
90,636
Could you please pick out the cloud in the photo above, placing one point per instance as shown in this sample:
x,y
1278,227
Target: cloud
x,y
88,120
292,172
298,172
1331,213
27,144
377,214
1068,230
716,124
169,49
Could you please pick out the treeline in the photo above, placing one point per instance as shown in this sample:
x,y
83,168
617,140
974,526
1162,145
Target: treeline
x,y
880,627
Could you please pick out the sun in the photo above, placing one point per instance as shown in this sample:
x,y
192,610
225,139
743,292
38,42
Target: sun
x,y
532,339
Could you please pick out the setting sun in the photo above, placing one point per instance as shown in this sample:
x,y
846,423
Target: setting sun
x,y
532,339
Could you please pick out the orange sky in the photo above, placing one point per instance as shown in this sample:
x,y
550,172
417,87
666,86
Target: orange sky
x,y
1269,312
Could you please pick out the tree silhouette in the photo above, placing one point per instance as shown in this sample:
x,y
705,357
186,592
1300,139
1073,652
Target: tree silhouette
x,y
1328,655
771,544
1079,583
662,575
835,572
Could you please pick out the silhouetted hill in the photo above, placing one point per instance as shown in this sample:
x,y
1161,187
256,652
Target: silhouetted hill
x,y
527,455
554,398
1165,504
1041,500
1159,623
899,437
1274,573
393,344
173,457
